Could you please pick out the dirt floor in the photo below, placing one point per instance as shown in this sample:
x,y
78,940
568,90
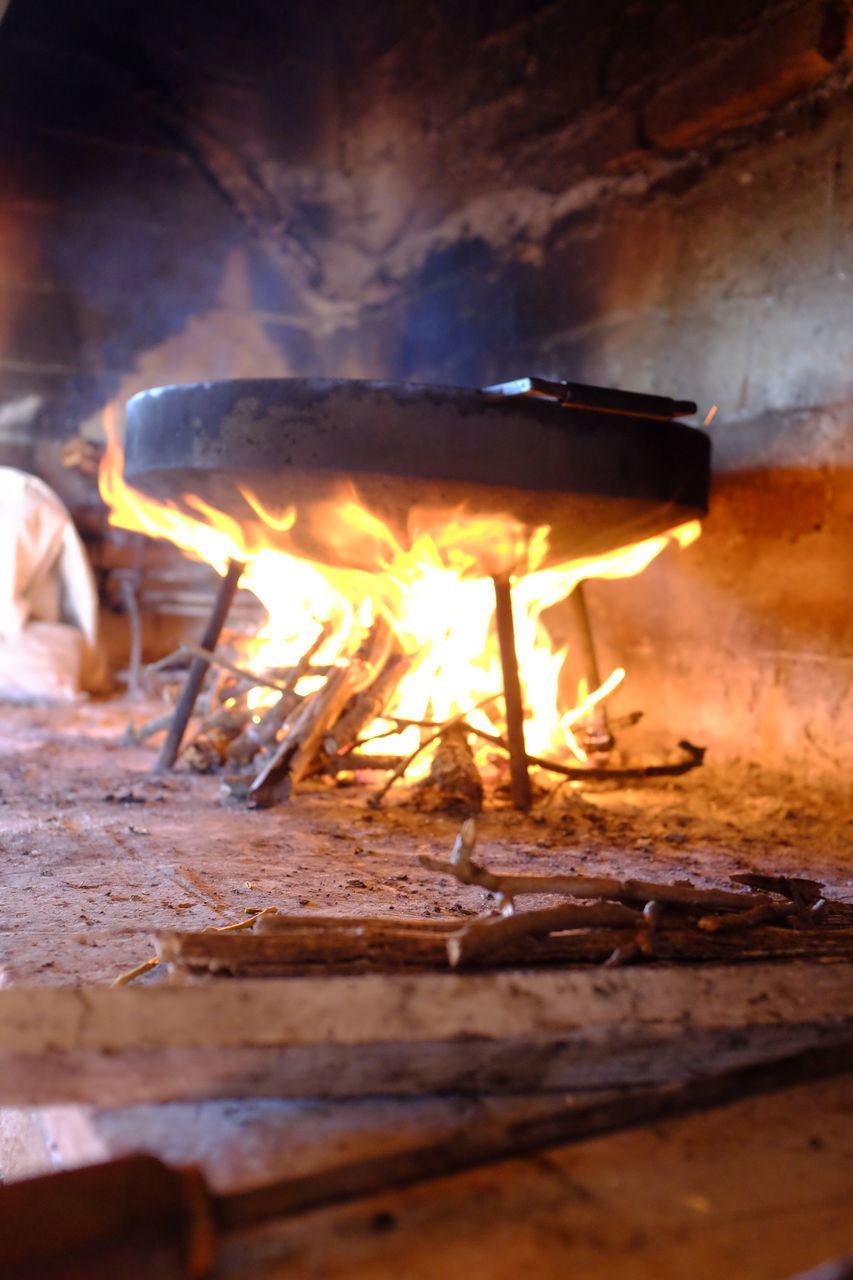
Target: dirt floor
x,y
97,852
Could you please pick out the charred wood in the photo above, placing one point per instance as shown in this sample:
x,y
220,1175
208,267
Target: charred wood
x,y
297,749
208,750
454,784
694,757
260,735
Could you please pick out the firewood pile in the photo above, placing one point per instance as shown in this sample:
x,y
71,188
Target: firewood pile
x,y
263,755
594,920
323,721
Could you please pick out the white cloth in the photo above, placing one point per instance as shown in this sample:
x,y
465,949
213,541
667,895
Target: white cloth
x,y
48,600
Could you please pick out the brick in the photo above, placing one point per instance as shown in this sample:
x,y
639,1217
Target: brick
x,y
744,78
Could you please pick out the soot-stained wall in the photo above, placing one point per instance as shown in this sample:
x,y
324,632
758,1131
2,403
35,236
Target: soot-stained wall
x,y
657,196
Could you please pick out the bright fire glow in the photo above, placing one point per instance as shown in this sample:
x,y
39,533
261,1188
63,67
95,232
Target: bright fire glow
x,y
437,594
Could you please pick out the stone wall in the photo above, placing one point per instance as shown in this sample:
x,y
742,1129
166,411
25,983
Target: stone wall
x,y
657,196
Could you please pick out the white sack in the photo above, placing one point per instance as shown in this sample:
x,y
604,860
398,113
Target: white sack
x,y
48,601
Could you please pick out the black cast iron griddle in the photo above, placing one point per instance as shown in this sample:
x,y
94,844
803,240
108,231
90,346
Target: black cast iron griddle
x,y
600,478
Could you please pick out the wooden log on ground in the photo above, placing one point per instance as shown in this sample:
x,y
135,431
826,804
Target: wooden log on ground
x,y
275,923
347,946
504,1032
350,946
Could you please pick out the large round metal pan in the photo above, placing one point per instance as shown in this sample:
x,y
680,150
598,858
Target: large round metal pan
x,y
598,479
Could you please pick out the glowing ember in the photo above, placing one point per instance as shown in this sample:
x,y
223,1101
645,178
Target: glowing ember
x,y
437,594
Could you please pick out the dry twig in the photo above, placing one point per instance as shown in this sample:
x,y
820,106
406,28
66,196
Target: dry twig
x,y
302,945
147,965
512,885
484,937
251,678
591,773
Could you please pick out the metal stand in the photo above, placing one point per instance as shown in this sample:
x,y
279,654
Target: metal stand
x,y
198,667
519,776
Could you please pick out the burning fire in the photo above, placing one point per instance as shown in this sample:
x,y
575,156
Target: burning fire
x,y
436,594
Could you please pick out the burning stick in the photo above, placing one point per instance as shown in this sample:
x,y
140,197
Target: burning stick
x,y
520,778
264,733
581,773
599,732
297,749
198,667
366,706
282,678
319,712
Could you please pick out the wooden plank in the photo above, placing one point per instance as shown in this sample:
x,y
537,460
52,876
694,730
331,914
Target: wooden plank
x,y
507,1031
304,948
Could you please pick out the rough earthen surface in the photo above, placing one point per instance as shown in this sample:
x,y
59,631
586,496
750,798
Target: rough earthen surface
x,y
97,853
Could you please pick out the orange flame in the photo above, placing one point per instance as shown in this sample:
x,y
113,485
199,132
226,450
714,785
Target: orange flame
x,y
437,595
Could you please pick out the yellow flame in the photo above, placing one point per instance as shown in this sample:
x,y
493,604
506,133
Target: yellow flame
x,y
437,594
